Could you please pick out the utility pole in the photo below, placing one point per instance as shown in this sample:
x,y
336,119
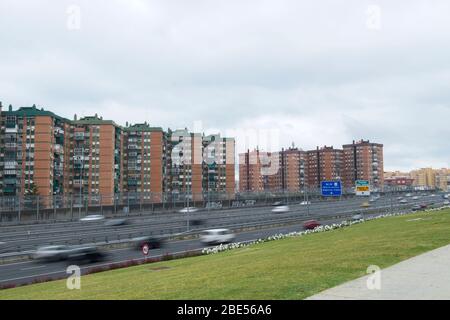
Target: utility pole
x,y
81,178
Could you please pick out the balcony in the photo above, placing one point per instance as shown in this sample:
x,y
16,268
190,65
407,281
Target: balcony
x,y
10,145
132,182
10,165
59,131
10,181
9,190
11,129
79,136
58,148
134,168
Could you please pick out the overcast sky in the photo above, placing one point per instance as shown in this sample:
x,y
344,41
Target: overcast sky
x,y
268,72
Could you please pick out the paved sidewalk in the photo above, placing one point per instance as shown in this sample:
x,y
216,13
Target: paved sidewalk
x,y
425,277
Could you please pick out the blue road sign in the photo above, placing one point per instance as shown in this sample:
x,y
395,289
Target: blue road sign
x,y
331,188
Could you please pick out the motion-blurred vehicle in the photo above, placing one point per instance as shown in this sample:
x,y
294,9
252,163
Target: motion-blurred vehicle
x,y
304,203
432,195
311,224
85,254
416,207
277,204
415,198
51,253
408,195
198,222
280,209
217,236
400,198
365,205
423,206
151,242
373,199
446,203
357,217
116,222
403,201
188,209
92,218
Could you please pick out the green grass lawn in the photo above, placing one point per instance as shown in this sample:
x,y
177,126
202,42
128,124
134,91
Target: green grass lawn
x,y
293,268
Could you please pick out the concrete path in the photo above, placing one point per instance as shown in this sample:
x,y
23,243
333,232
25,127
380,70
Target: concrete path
x,y
425,277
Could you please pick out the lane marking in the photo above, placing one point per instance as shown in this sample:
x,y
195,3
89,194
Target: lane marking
x,y
31,268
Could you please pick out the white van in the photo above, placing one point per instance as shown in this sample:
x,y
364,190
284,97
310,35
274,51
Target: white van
x,y
217,236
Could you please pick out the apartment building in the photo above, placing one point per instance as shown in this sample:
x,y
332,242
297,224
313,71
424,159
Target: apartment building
x,y
324,164
250,175
443,179
218,167
430,178
425,177
95,166
144,166
33,153
184,164
290,174
293,169
363,160
285,170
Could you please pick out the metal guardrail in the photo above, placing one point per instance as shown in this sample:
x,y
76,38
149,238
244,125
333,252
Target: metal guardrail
x,y
35,209
179,227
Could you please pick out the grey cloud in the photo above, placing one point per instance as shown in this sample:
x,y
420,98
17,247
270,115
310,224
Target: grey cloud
x,y
312,71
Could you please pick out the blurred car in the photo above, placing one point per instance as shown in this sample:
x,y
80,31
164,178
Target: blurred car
x,y
116,222
423,206
403,201
188,209
277,204
92,218
365,205
280,209
51,253
432,195
311,224
217,236
304,203
415,198
151,242
446,203
85,254
357,217
416,207
400,198
373,199
198,222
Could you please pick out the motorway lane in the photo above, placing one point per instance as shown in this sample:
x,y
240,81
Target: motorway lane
x,y
76,233
25,272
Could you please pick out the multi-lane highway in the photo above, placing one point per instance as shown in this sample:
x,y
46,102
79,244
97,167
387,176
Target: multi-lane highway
x,y
28,237
27,272
24,238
